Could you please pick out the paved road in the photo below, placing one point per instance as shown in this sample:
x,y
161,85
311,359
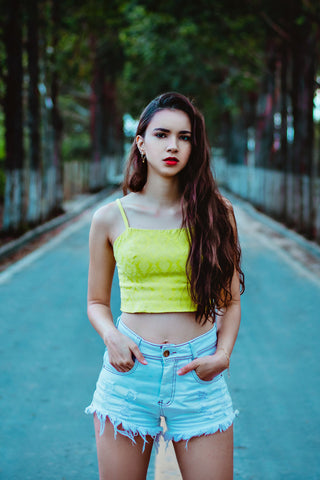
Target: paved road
x,y
50,358
275,365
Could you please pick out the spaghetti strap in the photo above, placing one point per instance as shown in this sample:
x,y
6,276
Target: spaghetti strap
x,y
122,213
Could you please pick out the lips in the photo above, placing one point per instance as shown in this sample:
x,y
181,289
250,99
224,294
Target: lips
x,y
171,161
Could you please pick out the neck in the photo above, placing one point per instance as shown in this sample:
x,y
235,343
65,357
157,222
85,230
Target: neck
x,y
164,192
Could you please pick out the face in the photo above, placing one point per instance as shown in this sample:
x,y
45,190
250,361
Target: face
x,y
167,142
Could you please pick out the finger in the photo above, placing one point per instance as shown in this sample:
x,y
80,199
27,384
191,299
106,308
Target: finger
x,y
135,350
187,368
123,366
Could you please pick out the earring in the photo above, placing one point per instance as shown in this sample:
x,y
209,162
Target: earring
x,y
143,157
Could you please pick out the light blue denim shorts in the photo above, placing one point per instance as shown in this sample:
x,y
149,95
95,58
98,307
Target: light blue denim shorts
x,y
135,401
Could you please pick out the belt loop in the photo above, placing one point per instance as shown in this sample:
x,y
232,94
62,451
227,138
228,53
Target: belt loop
x,y
117,321
193,350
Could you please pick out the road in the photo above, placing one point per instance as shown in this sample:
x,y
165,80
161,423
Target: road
x,y
51,356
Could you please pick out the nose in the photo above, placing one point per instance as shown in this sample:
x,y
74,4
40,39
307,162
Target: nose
x,y
172,144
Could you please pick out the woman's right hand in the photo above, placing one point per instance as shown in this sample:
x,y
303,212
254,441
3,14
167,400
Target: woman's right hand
x,y
122,351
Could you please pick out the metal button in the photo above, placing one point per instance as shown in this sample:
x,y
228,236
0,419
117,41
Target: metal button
x,y
166,353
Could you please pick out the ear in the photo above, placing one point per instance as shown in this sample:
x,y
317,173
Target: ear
x,y
140,143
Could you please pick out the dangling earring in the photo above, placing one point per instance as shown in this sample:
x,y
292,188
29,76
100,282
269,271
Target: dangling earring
x,y
143,157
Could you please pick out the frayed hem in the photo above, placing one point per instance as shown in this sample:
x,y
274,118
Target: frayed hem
x,y
218,427
128,430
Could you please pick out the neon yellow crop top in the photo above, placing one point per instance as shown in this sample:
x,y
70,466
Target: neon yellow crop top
x,y
151,267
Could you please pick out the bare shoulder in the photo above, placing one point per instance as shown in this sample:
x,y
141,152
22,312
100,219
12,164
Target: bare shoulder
x,y
105,220
106,215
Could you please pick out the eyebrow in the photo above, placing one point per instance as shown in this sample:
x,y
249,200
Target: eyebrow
x,y
165,130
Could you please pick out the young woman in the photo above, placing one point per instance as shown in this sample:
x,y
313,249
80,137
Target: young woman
x,y
174,240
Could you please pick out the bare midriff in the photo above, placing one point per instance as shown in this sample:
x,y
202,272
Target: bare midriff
x,y
174,327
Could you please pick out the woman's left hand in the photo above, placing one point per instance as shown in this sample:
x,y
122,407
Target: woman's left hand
x,y
207,367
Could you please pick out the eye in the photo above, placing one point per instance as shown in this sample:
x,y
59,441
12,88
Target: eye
x,y
160,135
186,138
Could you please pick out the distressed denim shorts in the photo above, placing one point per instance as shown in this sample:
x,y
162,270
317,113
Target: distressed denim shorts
x,y
135,401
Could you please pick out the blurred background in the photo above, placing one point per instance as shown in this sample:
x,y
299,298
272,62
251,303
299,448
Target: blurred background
x,y
76,74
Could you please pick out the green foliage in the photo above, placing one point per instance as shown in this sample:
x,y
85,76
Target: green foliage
x,y
203,51
76,147
73,59
214,52
74,108
89,32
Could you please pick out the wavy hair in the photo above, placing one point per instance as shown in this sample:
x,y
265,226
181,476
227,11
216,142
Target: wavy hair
x,y
214,252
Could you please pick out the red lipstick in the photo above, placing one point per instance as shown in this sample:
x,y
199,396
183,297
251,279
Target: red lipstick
x,y
171,161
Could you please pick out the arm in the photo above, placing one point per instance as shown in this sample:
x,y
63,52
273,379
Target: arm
x,y
228,324
121,349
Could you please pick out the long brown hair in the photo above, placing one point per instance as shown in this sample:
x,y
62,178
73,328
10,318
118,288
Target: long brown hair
x,y
214,252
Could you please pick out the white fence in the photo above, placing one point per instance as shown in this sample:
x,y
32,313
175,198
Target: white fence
x,y
80,177
285,196
32,196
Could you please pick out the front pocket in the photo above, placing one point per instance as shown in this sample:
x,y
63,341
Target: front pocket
x,y
107,366
199,380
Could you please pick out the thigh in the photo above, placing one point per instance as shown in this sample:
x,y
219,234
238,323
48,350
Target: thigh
x,y
209,457
119,458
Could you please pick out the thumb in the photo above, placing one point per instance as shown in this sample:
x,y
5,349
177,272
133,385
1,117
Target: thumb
x,y
137,353
187,368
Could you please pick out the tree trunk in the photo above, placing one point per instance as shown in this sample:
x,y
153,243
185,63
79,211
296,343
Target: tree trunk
x,y
113,133
34,197
302,101
57,122
13,214
98,121
265,114
113,122
226,137
284,127
239,137
48,197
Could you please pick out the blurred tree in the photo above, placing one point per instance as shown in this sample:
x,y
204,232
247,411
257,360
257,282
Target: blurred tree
x,y
92,61
56,117
304,41
33,117
293,31
210,52
106,121
14,153
3,73
250,66
30,196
